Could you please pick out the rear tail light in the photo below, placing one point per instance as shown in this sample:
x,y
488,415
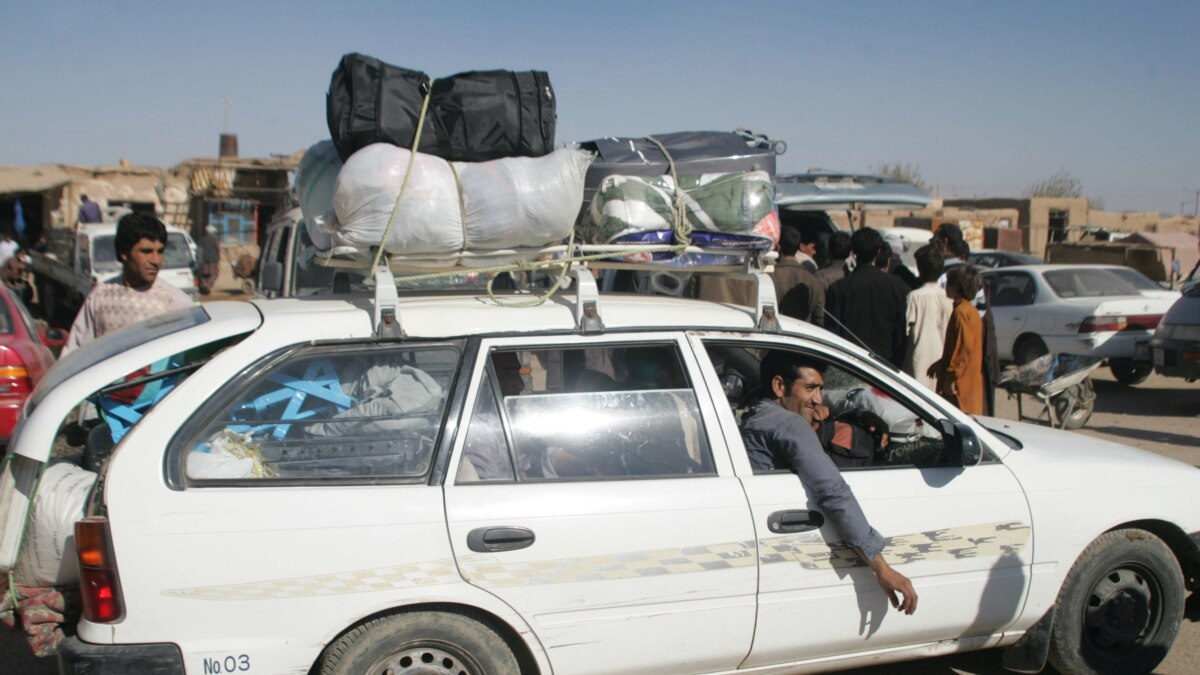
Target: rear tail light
x,y
1144,321
1104,324
14,376
98,582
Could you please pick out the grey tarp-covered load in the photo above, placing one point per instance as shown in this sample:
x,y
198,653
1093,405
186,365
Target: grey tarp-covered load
x,y
737,203
713,189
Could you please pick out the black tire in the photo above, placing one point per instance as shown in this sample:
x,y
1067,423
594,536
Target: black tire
x,y
1119,608
1028,349
1074,417
420,642
1129,374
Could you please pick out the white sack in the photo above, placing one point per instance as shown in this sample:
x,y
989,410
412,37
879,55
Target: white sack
x,y
315,178
511,203
48,553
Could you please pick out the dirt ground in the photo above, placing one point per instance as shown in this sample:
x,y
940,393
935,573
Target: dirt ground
x,y
1161,415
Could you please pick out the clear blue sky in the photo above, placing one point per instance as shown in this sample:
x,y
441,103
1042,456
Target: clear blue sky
x,y
985,97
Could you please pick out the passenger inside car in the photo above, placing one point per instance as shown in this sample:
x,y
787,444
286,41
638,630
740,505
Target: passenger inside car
x,y
581,423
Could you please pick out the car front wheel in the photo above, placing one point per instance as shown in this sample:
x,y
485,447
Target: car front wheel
x,y
420,642
1120,606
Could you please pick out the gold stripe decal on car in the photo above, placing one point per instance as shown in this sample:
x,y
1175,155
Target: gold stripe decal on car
x,y
809,550
357,581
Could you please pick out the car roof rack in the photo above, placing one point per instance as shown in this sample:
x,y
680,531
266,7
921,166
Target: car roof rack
x,y
576,261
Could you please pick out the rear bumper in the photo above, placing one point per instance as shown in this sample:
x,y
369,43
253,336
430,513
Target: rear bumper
x,y
1133,345
1176,358
76,657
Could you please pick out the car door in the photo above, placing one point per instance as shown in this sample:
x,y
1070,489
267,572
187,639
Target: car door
x,y
961,534
1012,296
594,496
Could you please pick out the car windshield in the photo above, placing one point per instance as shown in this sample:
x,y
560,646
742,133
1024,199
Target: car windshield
x,y
114,343
1088,282
178,254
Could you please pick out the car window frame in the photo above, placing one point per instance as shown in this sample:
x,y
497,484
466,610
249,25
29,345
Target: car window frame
x,y
857,366
1031,284
175,456
707,424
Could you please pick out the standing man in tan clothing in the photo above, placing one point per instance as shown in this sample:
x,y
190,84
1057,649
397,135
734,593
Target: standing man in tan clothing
x,y
137,294
929,310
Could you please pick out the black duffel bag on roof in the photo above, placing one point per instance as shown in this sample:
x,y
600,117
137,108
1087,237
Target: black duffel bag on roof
x,y
473,117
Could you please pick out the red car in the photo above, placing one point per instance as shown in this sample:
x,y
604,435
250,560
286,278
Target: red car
x,y
24,359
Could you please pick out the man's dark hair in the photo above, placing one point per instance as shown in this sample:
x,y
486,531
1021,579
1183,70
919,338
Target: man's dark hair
x,y
929,263
789,241
865,243
83,198
949,232
965,280
959,248
786,365
839,246
883,259
810,236
134,227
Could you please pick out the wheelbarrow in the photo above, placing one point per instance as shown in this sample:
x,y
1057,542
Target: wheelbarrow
x,y
1061,383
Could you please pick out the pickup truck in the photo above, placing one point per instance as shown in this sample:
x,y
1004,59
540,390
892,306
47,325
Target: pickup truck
x,y
76,261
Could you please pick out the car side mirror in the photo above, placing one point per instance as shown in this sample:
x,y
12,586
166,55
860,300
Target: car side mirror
x,y
270,277
962,443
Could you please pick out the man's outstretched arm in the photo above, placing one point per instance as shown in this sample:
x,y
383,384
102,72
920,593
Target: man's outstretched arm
x,y
893,582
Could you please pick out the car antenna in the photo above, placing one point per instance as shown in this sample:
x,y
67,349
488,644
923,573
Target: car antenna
x,y
847,332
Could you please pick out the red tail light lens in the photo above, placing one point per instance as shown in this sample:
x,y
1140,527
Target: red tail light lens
x,y
98,582
1143,321
1103,324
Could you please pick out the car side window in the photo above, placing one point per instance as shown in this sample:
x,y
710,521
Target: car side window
x,y
321,412
864,426
1009,289
610,412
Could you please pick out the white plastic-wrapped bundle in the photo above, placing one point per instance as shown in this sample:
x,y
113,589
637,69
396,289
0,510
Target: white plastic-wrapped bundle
x,y
48,553
315,179
470,208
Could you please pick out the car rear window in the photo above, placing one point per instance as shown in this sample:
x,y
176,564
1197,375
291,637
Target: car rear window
x,y
1088,283
356,412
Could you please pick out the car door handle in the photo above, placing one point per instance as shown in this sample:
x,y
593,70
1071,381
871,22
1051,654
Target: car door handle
x,y
794,521
494,539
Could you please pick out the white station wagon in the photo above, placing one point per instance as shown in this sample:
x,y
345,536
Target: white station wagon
x,y
563,489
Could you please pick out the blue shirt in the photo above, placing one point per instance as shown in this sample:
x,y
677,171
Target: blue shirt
x,y
777,438
89,212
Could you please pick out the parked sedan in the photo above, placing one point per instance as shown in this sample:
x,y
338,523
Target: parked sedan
x,y
1176,343
1091,310
23,360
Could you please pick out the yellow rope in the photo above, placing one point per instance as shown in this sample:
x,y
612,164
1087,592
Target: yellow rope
x,y
412,158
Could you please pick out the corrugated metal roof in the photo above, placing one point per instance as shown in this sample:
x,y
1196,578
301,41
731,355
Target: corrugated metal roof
x,y
32,178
